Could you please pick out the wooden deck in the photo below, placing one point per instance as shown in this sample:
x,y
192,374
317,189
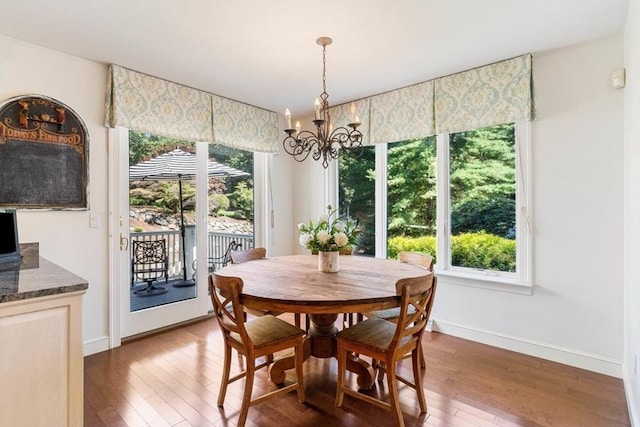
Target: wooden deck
x,y
173,294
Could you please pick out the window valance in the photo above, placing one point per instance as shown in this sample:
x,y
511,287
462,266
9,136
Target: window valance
x,y
150,104
490,95
403,114
493,94
243,126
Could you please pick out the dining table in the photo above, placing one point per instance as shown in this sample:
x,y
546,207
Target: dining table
x,y
295,284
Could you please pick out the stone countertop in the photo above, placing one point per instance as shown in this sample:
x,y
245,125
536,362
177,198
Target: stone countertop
x,y
47,278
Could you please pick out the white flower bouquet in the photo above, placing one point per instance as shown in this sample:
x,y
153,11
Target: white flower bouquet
x,y
329,233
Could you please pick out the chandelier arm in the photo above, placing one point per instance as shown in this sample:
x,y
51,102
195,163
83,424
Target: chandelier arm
x,y
301,145
345,138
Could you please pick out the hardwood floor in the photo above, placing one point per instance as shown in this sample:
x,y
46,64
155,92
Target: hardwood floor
x,y
172,379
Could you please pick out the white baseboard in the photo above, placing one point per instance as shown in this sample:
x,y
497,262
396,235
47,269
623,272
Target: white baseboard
x,y
567,356
96,345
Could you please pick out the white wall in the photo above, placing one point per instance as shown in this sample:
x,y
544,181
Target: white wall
x,y
632,212
575,314
64,236
283,232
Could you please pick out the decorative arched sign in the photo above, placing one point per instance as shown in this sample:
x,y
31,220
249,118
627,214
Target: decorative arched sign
x,y
44,155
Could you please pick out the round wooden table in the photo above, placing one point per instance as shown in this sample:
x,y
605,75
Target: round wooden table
x,y
294,284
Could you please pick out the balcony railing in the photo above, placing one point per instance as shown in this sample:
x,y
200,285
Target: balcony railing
x,y
217,244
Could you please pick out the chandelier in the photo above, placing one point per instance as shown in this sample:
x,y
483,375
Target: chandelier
x,y
326,141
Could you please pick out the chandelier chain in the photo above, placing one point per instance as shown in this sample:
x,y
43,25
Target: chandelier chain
x,y
324,96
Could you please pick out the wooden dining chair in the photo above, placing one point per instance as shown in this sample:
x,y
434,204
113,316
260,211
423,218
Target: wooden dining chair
x,y
392,314
258,337
253,254
388,343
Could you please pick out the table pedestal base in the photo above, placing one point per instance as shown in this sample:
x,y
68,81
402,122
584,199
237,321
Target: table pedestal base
x,y
321,342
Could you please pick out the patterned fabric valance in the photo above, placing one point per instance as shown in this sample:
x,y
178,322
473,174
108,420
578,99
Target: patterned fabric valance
x,y
149,104
485,96
243,126
490,95
403,114
341,116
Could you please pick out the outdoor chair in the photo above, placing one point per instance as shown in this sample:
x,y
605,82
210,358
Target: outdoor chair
x,y
258,337
149,262
387,343
216,263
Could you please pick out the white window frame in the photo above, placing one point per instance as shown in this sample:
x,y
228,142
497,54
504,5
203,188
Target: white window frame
x,y
518,282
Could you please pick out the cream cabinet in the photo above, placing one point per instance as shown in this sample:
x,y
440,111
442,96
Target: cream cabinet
x,y
41,361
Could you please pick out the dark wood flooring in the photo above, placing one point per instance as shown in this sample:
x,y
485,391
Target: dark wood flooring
x,y
172,379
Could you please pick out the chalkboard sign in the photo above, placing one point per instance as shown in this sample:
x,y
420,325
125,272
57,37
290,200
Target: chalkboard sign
x,y
44,155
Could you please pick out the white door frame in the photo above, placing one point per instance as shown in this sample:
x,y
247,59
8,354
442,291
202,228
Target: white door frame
x,y
123,323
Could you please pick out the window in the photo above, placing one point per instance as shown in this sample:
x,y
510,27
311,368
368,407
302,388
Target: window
x,y
231,201
480,225
461,197
411,196
483,174
356,193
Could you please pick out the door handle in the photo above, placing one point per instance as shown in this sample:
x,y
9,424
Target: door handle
x,y
124,242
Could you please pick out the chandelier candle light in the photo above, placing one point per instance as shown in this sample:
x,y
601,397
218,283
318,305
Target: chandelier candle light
x,y
326,141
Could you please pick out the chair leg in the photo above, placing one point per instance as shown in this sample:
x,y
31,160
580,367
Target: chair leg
x,y
246,397
380,369
417,378
342,367
421,353
299,372
393,394
225,374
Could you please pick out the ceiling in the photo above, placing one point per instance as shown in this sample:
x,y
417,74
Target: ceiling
x,y
264,53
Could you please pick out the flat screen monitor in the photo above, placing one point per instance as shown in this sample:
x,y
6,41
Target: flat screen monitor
x,y
9,246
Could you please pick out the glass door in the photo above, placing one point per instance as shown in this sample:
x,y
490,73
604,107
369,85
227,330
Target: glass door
x,y
157,232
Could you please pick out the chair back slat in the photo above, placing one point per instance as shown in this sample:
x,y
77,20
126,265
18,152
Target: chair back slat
x,y
149,259
417,300
225,296
416,258
238,257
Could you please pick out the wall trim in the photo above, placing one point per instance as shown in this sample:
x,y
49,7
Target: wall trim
x,y
564,355
96,345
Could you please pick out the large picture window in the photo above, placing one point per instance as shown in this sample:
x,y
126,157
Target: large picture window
x,y
461,197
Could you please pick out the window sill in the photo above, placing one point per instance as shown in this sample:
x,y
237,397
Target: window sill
x,y
484,281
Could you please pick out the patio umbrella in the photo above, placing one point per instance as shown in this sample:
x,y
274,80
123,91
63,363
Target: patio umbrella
x,y
178,165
